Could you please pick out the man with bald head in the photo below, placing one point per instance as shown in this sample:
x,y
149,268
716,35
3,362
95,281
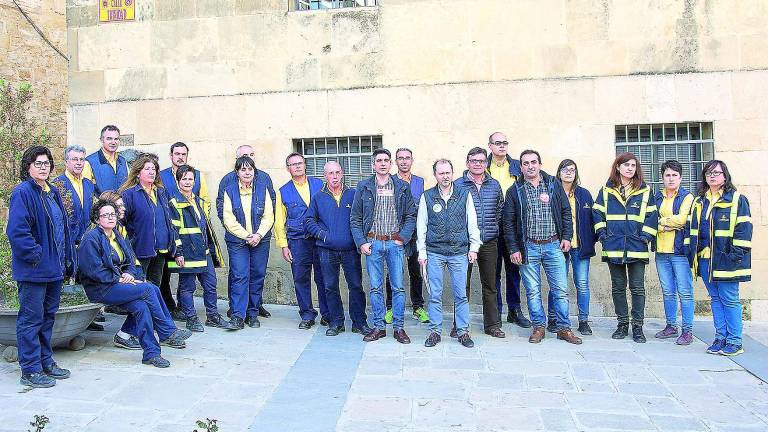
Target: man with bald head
x,y
327,221
506,171
231,177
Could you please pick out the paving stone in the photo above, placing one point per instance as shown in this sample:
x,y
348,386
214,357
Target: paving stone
x,y
380,365
647,389
538,399
669,423
602,402
386,409
380,386
444,413
550,383
661,406
595,386
558,420
449,375
611,356
588,372
229,413
639,374
368,426
614,421
512,418
732,377
500,381
529,368
678,375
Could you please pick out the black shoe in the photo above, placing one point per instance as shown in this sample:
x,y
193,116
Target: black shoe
x,y
637,333
253,321
454,333
229,313
552,326
37,380
264,313
219,322
157,362
516,316
174,341
622,330
194,324
584,328
178,315
54,371
100,317
334,331
306,324
182,334
131,343
94,326
466,341
361,330
432,340
238,323
324,322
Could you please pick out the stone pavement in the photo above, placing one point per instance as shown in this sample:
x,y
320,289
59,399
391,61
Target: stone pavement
x,y
279,378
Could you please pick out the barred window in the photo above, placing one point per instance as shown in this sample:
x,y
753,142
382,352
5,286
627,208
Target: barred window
x,y
353,153
332,4
692,144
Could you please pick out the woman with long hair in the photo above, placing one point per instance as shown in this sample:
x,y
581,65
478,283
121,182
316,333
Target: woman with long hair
x,y
148,221
720,251
41,258
626,222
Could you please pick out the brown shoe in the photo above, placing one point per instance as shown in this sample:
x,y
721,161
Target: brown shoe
x,y
375,335
568,336
402,337
537,335
496,332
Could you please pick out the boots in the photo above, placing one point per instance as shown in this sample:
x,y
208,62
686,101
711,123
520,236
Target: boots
x,y
622,330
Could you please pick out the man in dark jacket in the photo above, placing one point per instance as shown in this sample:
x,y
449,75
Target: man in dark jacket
x,y
538,229
488,199
327,220
383,220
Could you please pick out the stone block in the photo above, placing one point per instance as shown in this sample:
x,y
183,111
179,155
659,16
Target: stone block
x,y
137,83
387,408
587,20
512,418
645,389
690,105
719,53
215,8
555,61
83,16
600,57
603,402
253,38
107,46
558,420
244,7
760,310
613,421
174,42
754,51
500,381
558,383
539,399
355,32
747,93
171,10
86,87
362,70
669,423
438,413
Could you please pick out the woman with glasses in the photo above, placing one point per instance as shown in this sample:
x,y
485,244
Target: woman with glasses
x,y
720,251
674,205
110,275
582,244
626,222
41,258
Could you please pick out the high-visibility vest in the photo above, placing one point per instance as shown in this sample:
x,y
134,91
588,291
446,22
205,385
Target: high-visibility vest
x,y
625,227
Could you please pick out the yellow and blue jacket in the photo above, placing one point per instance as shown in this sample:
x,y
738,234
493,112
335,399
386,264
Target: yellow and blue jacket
x,y
727,231
198,241
625,226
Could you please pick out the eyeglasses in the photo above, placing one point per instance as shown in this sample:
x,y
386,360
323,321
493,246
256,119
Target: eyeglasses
x,y
500,143
568,170
41,164
713,173
403,158
295,164
108,215
75,159
477,161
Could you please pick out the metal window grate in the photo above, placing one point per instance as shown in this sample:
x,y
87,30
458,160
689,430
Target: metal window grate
x,y
332,4
692,144
352,153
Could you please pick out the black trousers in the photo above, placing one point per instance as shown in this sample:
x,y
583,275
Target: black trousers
x,y
634,274
486,262
156,273
414,273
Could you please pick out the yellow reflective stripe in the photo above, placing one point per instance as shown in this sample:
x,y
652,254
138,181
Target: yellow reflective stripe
x,y
178,242
742,219
723,233
599,225
615,217
188,264
687,241
694,232
636,218
174,222
651,208
742,243
190,231
649,230
731,274
598,207
638,254
613,254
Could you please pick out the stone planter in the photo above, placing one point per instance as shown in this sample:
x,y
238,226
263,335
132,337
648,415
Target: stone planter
x,y
70,322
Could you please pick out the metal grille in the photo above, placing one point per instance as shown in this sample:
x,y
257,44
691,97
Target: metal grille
x,y
332,4
352,153
692,144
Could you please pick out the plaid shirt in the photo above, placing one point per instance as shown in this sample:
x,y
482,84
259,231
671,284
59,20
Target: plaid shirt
x,y
385,211
541,224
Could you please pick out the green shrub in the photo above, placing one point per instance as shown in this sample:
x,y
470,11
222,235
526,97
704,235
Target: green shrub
x,y
9,295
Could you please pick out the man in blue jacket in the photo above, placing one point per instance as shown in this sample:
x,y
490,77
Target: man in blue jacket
x,y
231,177
383,220
105,167
77,192
327,221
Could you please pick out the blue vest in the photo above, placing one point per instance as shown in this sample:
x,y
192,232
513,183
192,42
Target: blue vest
x,y
172,187
447,232
80,216
417,187
106,177
257,207
296,208
681,234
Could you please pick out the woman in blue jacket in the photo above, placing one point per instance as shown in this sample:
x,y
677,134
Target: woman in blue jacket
x,y
198,254
41,257
148,221
582,244
626,222
109,275
720,251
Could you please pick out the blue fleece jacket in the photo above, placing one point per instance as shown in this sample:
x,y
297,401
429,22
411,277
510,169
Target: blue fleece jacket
x,y
328,221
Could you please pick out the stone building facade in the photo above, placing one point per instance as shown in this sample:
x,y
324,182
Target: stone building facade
x,y
436,76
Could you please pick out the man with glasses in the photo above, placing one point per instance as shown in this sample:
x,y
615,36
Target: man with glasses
x,y
293,200
382,221
488,199
105,167
506,171
404,161
230,178
179,155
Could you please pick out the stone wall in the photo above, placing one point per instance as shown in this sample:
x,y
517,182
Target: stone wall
x,y
435,76
25,57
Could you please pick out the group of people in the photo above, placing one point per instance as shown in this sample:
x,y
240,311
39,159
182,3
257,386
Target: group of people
x,y
121,230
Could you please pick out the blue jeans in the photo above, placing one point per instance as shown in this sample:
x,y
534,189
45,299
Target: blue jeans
x,y
38,303
391,253
552,259
305,260
248,268
330,261
676,281
457,271
580,281
187,290
726,307
512,272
